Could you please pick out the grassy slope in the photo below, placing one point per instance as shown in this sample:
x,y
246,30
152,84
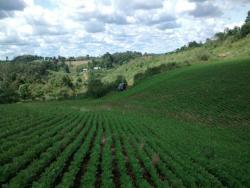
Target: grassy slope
x,y
216,93
216,51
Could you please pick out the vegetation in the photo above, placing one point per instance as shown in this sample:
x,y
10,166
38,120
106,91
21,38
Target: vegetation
x,y
98,89
21,80
184,123
29,77
187,127
213,50
109,61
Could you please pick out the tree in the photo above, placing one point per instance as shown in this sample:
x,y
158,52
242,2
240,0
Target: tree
x,y
107,60
245,29
220,36
61,59
234,32
27,58
24,91
7,92
248,18
95,87
194,44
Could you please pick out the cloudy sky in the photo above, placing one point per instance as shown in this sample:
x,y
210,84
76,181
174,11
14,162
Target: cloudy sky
x,y
80,27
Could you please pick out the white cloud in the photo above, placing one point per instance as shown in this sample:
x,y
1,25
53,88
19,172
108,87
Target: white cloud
x,y
8,7
94,26
78,27
205,9
184,6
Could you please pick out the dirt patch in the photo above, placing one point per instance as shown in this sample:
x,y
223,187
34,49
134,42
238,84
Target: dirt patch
x,y
225,54
75,63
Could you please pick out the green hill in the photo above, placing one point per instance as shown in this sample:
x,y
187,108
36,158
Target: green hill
x,y
188,127
183,121
211,51
216,93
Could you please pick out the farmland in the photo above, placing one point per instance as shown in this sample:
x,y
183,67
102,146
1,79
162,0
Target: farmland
x,y
175,129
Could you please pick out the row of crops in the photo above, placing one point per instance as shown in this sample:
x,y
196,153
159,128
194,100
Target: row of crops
x,y
68,148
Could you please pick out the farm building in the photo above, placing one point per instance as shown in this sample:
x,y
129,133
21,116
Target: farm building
x,y
97,68
84,70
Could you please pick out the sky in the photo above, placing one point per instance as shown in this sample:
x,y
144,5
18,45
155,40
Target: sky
x,y
94,27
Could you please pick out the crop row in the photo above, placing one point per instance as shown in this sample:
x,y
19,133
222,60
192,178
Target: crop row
x,y
23,139
39,150
75,170
50,177
181,167
195,172
101,149
33,171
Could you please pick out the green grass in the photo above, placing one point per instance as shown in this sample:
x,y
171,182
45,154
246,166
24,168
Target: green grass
x,y
216,93
216,51
187,127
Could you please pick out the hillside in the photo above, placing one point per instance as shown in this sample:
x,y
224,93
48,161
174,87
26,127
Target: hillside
x,y
187,127
124,94
33,78
215,92
211,51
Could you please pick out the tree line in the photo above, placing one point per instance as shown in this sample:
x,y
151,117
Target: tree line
x,y
20,80
235,34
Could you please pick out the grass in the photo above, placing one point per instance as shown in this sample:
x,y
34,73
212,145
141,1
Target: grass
x,y
216,51
215,92
187,127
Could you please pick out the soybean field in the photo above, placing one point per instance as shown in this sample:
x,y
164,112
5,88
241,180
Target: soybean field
x,y
139,143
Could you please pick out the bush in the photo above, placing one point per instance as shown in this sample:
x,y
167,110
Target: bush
x,y
7,93
203,56
187,63
24,91
154,70
36,91
98,89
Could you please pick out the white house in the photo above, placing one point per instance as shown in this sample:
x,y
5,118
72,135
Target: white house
x,y
97,68
84,70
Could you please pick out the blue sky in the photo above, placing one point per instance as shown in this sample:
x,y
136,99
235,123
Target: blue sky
x,y
80,27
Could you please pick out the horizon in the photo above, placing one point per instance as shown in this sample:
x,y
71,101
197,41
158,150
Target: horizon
x,y
80,28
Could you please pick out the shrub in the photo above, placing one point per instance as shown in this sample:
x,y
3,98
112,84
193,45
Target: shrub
x,y
203,56
187,63
97,89
154,70
7,93
24,91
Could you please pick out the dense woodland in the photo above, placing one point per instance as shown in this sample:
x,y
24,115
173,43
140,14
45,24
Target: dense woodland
x,y
30,77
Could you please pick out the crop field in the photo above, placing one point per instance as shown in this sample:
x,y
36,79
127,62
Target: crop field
x,y
141,143
110,149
